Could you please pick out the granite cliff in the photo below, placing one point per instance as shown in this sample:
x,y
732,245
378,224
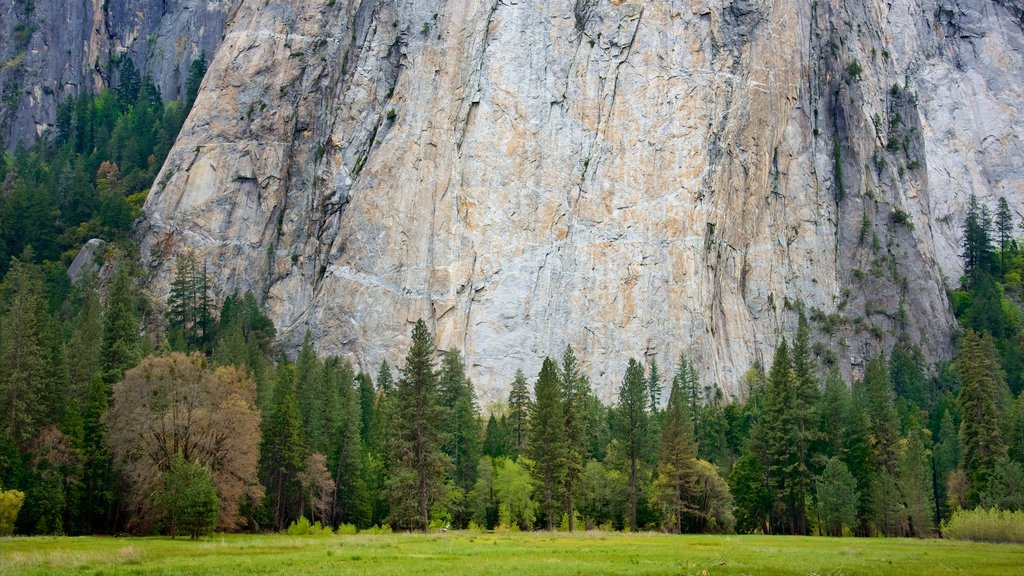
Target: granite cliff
x,y
50,50
632,178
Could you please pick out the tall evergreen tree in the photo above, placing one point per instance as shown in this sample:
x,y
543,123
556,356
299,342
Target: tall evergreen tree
x,y
633,401
122,346
915,481
416,436
519,405
350,501
546,446
25,337
885,440
367,400
780,434
462,428
977,240
575,391
982,395
1004,231
677,452
188,303
282,451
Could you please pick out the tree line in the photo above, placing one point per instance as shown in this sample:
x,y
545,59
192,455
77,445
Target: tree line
x,y
119,417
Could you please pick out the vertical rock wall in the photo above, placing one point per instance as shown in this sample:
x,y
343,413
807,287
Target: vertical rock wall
x,y
632,178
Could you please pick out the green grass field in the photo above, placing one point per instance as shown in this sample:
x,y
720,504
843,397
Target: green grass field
x,y
507,554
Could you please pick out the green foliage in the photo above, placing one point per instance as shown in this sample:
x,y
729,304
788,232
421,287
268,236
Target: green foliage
x,y
982,395
187,498
546,447
836,493
981,525
189,323
633,401
416,436
519,404
677,464
10,504
302,527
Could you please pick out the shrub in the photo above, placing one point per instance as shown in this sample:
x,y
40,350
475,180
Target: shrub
x,y
302,527
347,529
981,525
385,529
854,71
10,505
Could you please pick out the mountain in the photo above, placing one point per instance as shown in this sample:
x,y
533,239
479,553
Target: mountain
x,y
632,178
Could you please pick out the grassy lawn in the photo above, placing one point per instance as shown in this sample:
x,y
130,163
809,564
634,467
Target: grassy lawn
x,y
507,554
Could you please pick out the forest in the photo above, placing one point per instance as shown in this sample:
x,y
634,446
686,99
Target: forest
x,y
120,417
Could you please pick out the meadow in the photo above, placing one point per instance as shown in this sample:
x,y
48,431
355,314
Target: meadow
x,y
506,554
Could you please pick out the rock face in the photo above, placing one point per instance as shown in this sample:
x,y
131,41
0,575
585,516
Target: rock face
x,y
632,178
50,50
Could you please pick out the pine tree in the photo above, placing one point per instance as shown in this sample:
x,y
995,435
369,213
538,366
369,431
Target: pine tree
x,y
87,334
122,346
519,405
97,506
367,399
310,388
885,439
633,400
915,481
676,459
188,303
780,435
982,394
977,240
462,429
946,459
686,375
575,391
350,500
1004,231
837,496
546,447
282,451
857,454
835,403
26,337
806,397
418,464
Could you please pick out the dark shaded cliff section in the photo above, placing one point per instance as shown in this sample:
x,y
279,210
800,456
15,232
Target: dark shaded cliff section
x,y
52,50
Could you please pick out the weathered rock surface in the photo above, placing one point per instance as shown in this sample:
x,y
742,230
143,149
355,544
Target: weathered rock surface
x,y
632,178
50,50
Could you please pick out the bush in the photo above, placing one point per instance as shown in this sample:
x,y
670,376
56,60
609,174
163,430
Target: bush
x,y
981,525
385,529
302,527
347,529
10,505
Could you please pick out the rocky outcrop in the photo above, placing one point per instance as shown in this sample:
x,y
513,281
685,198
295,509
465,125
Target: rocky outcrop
x,y
51,50
632,178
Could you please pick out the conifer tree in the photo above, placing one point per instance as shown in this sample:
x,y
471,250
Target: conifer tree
x,y
982,395
837,496
915,481
282,451
857,453
885,440
781,437
575,391
87,334
350,501
418,465
122,346
519,405
367,399
677,452
546,447
462,428
633,401
188,303
24,343
946,459
1004,231
977,240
